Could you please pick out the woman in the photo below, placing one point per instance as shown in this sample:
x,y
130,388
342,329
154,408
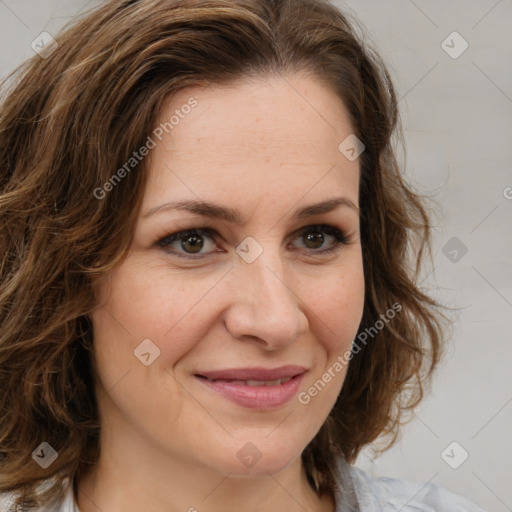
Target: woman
x,y
209,262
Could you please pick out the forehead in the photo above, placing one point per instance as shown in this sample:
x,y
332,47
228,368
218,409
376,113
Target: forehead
x,y
271,134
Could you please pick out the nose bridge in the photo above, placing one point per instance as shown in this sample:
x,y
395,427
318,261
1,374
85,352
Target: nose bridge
x,y
265,306
269,278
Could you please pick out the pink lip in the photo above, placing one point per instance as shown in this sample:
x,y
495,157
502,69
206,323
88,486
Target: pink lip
x,y
255,397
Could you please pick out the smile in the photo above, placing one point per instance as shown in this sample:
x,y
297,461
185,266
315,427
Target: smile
x,y
259,394
254,383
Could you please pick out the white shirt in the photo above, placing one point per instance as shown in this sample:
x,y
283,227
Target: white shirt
x,y
360,492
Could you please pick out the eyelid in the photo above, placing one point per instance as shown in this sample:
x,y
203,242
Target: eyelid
x,y
177,235
338,233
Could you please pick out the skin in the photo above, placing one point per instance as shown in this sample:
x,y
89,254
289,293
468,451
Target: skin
x,y
265,147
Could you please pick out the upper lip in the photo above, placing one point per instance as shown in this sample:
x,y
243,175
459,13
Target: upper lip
x,y
254,373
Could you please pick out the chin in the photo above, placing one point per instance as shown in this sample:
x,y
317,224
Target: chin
x,y
258,458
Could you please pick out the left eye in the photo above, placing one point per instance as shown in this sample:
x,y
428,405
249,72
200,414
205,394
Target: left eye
x,y
315,235
192,241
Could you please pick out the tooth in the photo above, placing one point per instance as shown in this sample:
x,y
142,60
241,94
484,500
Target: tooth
x,y
255,383
258,382
276,382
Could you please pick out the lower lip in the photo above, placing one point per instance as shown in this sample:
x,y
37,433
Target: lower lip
x,y
256,397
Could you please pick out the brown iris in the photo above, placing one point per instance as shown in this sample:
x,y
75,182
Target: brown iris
x,y
316,237
194,242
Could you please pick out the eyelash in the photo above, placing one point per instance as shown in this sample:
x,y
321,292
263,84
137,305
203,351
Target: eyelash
x,y
340,238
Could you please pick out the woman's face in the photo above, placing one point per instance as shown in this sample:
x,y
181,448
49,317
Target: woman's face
x,y
244,294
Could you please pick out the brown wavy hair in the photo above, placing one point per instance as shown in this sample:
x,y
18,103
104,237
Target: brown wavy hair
x,y
69,121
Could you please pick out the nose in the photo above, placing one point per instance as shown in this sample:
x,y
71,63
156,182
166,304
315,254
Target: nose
x,y
263,307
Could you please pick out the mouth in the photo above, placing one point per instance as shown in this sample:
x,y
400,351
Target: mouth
x,y
252,383
258,374
255,388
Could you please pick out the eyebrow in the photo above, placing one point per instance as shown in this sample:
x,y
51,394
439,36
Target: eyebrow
x,y
212,210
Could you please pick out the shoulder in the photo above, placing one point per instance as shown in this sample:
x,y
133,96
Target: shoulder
x,y
64,503
5,502
384,494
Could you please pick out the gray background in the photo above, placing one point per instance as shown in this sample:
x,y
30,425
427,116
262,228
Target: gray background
x,y
457,118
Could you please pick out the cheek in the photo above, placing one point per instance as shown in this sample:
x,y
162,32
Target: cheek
x,y
140,302
338,308
338,305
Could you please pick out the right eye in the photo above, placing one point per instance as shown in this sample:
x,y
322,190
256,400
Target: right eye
x,y
189,243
